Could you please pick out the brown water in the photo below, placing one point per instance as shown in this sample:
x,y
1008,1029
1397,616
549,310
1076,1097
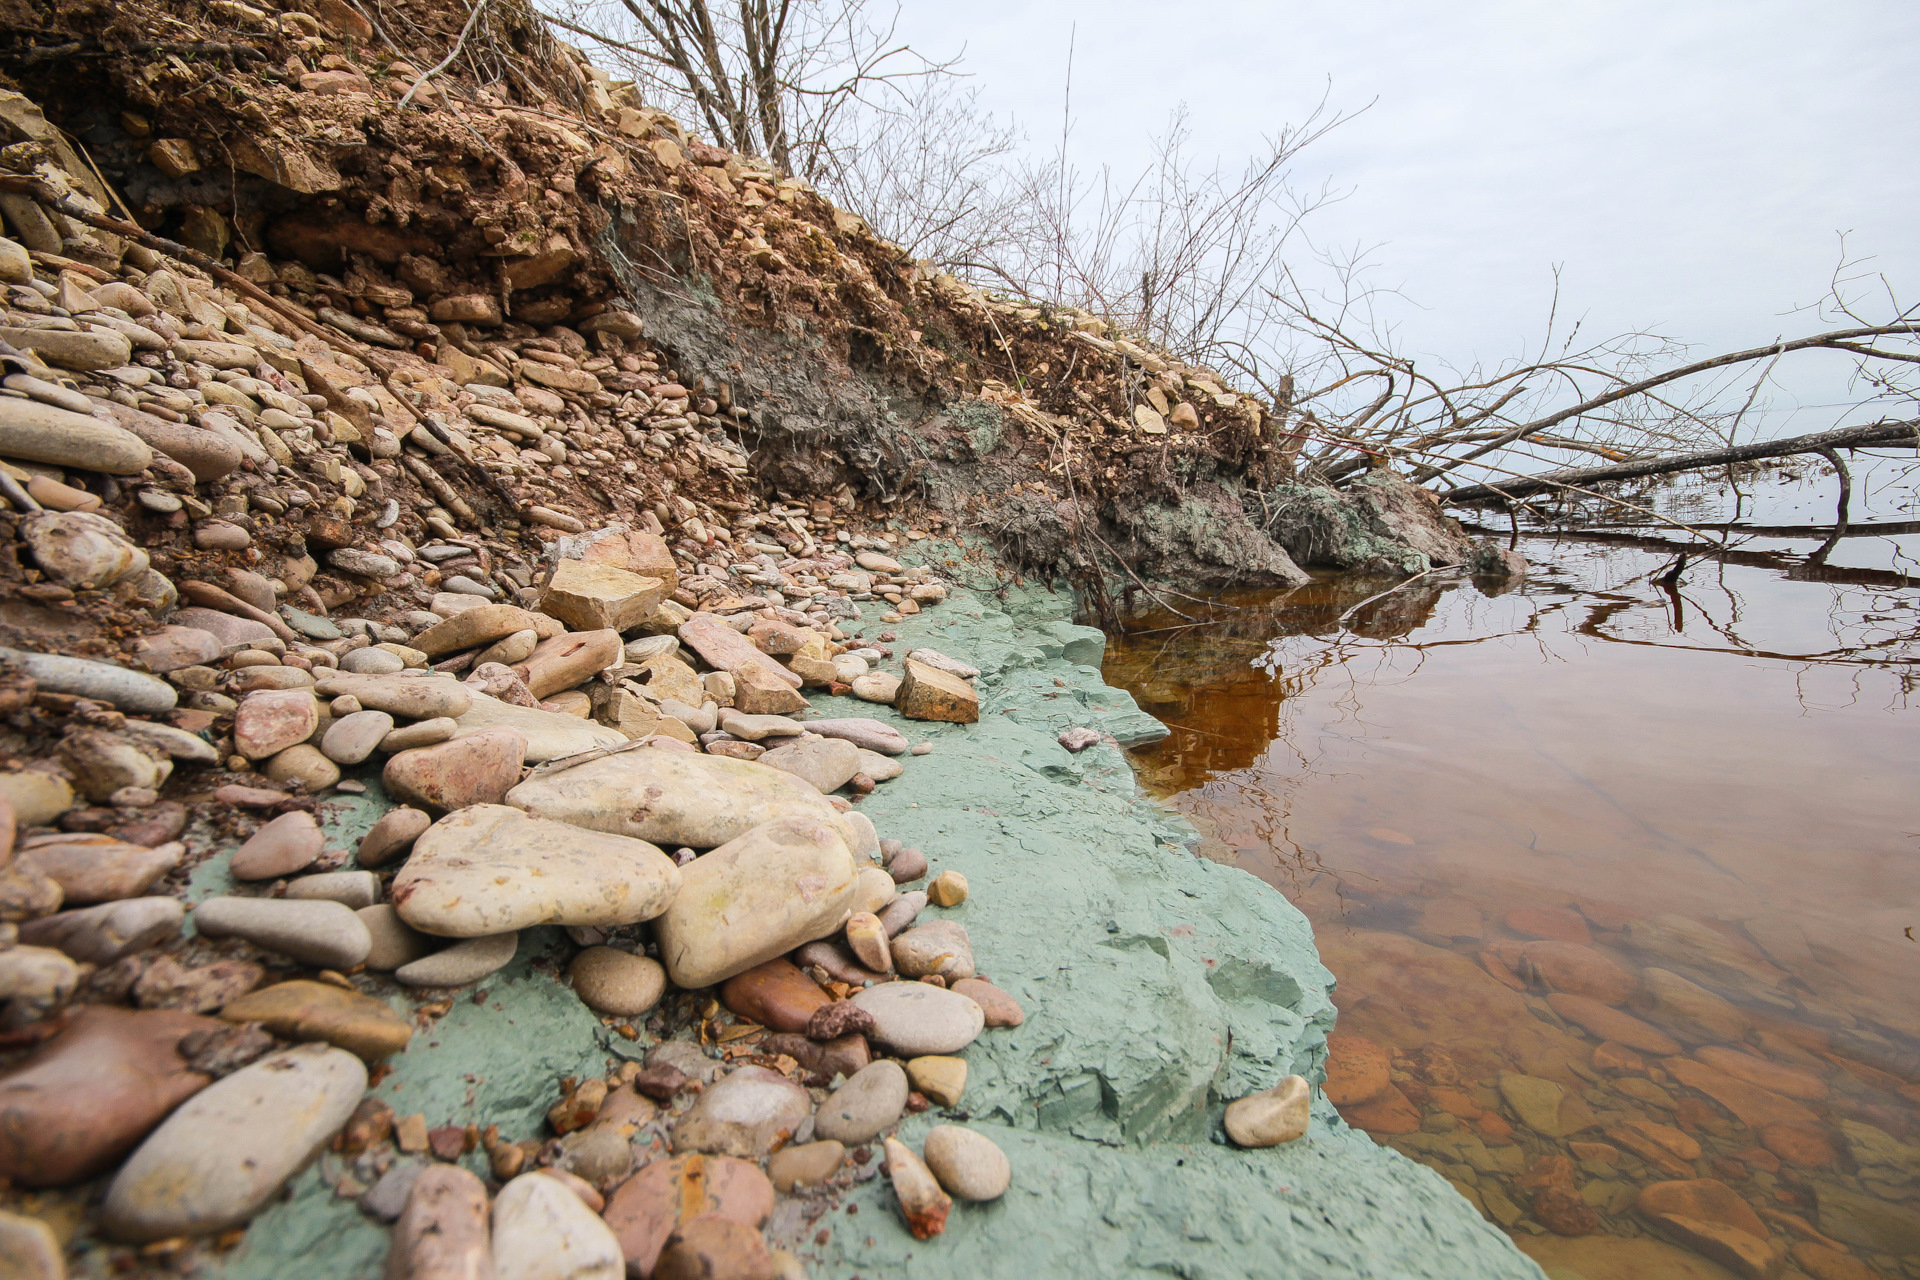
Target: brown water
x,y
1617,884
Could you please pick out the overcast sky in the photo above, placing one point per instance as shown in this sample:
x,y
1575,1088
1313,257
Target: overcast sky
x,y
1688,165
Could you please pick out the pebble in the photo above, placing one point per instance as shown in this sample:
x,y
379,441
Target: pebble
x,y
83,1099
354,889
611,981
461,964
868,939
776,995
903,911
270,721
967,1163
877,686
224,1153
869,735
477,769
941,947
922,1201
371,662
470,628
756,728
907,866
129,691
30,1248
395,942
1001,1009
825,763
98,868
305,765
177,743
355,736
542,1231
302,1010
283,846
441,1232
917,1018
37,798
34,981
806,1164
874,890
1078,740
489,869
880,768
949,889
424,733
874,562
549,734
714,1246
1271,1117
323,934
101,935
922,749
510,649
168,984
81,549
867,1105
413,697
746,1114
741,905
102,763
392,836
646,1209
941,1078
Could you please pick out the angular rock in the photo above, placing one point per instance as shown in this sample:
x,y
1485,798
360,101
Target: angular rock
x,y
102,763
949,889
283,846
597,597
1271,1117
567,660
224,1153
478,769
168,984
759,728
780,884
101,935
616,982
82,549
760,690
927,693
922,1202
725,649
1710,1217
301,1010
776,995
323,934
34,981
82,1100
460,964
489,869
939,1078
746,1114
866,1106
969,1165
542,1231
916,1018
670,799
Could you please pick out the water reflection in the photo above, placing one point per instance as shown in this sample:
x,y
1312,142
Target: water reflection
x,y
1617,880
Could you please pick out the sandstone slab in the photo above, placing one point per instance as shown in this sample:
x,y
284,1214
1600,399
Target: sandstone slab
x,y
596,596
670,798
302,1010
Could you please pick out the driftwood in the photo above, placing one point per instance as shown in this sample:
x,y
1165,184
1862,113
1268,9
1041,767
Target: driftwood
x,y
1878,433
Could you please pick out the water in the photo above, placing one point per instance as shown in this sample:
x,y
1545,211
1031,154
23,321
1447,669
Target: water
x,y
1531,826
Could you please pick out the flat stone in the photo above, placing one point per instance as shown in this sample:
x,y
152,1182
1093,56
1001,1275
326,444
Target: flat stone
x,y
941,662
780,884
927,693
102,934
223,1154
287,844
670,799
916,1018
1755,1070
550,735
97,868
900,914
615,982
1613,1024
472,627
352,738
442,1233
371,662
323,934
168,984
34,432
1358,1070
412,697
129,691
355,889
542,1231
392,836
79,1102
171,648
232,632
1754,1106
877,686
1582,971
939,947
940,1078
969,1165
567,660
460,964
869,735
805,1165
177,743
759,728
597,597
1692,1013
395,942
478,769
302,763
745,1114
1710,1218
647,1208
999,1008
302,1010
1271,1117
270,721
725,649
31,1249
775,995
489,869
880,768
874,562
825,763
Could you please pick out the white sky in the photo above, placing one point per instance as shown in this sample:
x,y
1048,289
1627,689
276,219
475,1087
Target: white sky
x,y
1688,164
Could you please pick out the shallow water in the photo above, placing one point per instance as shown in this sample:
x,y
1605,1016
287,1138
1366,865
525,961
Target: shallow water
x,y
1530,826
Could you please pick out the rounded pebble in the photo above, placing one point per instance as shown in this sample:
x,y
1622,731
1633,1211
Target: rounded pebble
x,y
969,1165
609,980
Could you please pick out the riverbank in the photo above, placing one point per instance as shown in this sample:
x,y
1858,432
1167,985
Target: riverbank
x,y
1157,986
